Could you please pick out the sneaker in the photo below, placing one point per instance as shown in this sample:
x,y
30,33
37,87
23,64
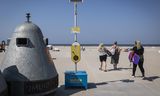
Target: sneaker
x,y
105,70
143,76
133,75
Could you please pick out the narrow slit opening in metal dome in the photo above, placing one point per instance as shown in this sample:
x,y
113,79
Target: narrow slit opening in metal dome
x,y
22,42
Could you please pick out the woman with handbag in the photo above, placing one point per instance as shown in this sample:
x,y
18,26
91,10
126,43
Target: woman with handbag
x,y
138,50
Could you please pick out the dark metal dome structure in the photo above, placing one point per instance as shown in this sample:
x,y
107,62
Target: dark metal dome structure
x,y
27,66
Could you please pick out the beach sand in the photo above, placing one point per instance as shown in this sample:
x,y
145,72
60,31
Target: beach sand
x,y
112,83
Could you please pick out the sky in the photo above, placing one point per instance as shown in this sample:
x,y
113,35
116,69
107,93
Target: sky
x,y
103,21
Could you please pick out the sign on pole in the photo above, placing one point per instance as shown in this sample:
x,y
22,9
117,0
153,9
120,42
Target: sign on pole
x,y
75,52
76,29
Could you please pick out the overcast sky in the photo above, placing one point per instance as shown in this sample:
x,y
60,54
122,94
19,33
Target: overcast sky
x,y
100,20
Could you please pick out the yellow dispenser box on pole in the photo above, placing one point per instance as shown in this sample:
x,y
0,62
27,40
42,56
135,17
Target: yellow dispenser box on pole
x,y
75,52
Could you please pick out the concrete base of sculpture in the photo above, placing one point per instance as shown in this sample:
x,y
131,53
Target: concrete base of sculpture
x,y
33,88
3,86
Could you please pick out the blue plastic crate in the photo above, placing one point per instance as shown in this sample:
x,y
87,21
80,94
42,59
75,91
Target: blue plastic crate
x,y
76,79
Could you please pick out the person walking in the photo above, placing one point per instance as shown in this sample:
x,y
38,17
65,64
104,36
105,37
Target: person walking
x,y
102,56
115,50
138,50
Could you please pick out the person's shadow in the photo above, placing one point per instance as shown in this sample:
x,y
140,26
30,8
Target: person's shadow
x,y
119,69
152,78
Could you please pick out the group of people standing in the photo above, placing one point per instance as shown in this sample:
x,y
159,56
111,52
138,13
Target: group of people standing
x,y
114,53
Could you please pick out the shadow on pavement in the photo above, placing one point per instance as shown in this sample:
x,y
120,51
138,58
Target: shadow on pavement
x,y
63,91
123,80
152,78
119,69
101,83
127,81
91,85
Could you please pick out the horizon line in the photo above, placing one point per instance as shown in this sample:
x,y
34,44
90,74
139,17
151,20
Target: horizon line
x,y
104,44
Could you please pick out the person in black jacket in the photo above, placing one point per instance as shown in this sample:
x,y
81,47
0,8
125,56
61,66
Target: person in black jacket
x,y
139,50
